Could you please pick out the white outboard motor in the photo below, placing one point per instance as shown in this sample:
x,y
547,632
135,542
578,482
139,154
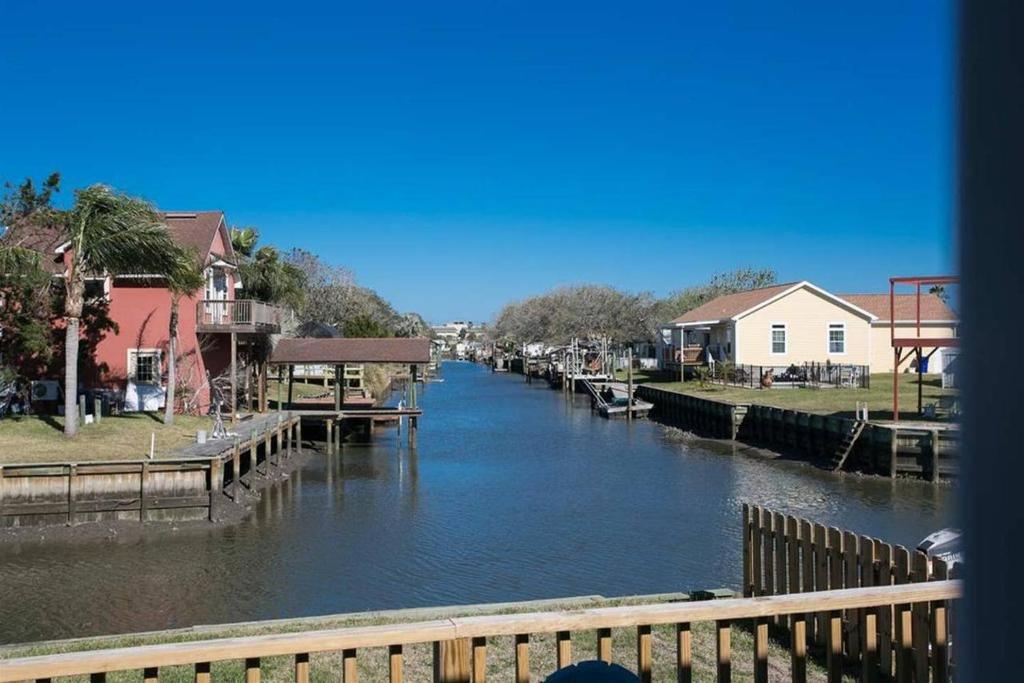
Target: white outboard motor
x,y
945,544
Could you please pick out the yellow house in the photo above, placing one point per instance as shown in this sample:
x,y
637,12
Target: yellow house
x,y
797,323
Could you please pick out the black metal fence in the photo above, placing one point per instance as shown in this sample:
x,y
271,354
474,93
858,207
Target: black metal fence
x,y
803,375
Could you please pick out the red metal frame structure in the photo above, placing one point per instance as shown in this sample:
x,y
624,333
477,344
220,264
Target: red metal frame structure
x,y
917,343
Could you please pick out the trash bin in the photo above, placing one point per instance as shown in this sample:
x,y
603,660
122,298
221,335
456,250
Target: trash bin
x,y
923,363
593,672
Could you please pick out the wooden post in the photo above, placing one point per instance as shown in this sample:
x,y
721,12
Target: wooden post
x,y
684,653
291,380
723,648
298,435
894,446
279,382
97,410
302,667
395,673
81,409
234,379
629,384
479,660
252,670
761,651
935,455
339,370
522,658
643,653
563,640
604,644
452,661
329,426
143,474
236,470
412,385
349,670
72,477
413,429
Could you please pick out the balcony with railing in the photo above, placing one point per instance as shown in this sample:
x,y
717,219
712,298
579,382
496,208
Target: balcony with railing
x,y
238,315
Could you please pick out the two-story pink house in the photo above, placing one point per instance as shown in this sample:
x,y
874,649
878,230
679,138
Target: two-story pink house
x,y
212,326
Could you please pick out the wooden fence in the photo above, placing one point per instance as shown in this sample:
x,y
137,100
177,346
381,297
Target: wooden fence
x,y
460,644
786,555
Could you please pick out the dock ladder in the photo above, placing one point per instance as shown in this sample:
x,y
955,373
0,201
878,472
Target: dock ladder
x,y
847,444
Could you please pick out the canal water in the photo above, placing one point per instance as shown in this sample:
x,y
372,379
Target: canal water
x,y
512,494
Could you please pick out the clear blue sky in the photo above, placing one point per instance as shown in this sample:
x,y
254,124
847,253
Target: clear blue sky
x,y
459,155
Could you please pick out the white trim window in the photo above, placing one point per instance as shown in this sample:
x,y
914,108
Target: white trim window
x,y
836,338
144,366
97,288
779,339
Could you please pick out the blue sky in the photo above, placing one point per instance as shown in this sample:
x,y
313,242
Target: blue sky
x,y
459,155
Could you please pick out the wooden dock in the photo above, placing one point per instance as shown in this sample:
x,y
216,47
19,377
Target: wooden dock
x,y
926,450
188,486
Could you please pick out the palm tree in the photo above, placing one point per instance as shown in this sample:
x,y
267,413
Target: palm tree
x,y
186,278
108,232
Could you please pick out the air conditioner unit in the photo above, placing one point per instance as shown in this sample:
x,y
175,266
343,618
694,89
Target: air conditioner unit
x,y
45,390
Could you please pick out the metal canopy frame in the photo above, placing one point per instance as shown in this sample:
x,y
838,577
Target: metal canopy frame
x,y
915,344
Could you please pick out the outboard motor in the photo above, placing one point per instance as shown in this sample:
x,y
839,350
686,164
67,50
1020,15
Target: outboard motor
x,y
945,544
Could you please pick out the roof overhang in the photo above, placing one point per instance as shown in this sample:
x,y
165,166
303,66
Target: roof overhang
x,y
338,351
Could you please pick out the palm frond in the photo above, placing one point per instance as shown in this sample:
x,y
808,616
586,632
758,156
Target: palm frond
x,y
119,234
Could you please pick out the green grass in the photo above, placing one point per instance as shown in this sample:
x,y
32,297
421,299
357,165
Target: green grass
x,y
373,662
842,402
35,438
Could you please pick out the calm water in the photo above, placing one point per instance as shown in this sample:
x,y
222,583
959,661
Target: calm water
x,y
512,494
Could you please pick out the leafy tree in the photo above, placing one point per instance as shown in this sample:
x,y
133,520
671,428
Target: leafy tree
x,y
268,277
412,325
24,200
940,291
741,280
365,326
26,294
108,232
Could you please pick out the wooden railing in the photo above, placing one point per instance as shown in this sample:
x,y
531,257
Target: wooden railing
x,y
783,554
460,644
215,312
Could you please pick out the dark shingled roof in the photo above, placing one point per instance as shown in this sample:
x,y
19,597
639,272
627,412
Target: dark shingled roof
x,y
353,350
196,230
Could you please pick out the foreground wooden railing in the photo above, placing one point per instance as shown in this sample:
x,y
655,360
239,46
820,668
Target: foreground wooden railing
x,y
460,648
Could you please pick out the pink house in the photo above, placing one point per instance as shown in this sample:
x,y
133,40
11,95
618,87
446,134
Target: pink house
x,y
212,326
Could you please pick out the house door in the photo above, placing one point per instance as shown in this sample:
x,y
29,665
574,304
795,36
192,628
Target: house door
x,y
216,291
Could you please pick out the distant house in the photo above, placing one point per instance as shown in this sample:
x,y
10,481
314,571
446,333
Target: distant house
x,y
799,322
133,358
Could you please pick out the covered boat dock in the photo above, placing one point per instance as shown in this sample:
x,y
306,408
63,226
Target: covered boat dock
x,y
339,352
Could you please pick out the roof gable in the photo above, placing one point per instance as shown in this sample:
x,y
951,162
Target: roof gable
x,y
198,230
737,305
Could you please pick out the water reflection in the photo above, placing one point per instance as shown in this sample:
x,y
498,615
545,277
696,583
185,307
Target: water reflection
x,y
513,493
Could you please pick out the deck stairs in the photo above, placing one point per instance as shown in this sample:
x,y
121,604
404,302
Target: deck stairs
x,y
846,445
594,393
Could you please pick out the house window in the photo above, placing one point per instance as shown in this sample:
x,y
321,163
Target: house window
x,y
144,366
95,288
778,339
837,338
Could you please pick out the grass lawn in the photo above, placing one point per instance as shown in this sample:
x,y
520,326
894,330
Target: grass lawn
x,y
373,662
841,402
32,439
